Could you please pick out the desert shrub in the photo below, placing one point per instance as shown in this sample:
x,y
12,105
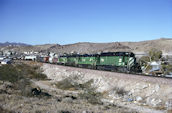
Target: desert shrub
x,y
38,76
38,111
155,54
64,111
67,84
20,75
5,111
10,73
70,83
32,72
91,95
167,68
144,59
120,91
86,85
24,86
169,111
14,73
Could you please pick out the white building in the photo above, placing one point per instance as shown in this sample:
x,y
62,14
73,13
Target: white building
x,y
155,66
31,57
6,61
2,58
7,53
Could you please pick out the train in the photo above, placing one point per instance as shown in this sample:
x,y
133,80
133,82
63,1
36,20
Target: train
x,y
111,61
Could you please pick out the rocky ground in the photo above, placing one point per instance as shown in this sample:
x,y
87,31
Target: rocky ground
x,y
55,101
143,94
77,90
43,96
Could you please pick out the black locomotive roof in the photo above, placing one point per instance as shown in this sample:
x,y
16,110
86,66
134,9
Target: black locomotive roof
x,y
63,56
87,55
118,54
77,55
102,54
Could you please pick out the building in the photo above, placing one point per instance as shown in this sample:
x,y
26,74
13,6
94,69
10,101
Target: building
x,y
6,61
7,53
1,58
31,57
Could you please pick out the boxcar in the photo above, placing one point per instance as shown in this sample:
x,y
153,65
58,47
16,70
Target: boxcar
x,y
55,60
46,59
40,59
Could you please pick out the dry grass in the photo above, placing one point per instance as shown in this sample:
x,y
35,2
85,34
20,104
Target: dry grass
x,y
169,111
5,111
67,84
88,92
19,75
70,84
91,95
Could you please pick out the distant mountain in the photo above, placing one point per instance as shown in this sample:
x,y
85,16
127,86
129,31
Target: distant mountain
x,y
164,44
13,44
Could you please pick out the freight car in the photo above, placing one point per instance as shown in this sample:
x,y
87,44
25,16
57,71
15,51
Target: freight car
x,y
113,61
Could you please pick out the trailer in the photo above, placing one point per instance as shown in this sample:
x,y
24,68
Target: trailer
x,y
31,57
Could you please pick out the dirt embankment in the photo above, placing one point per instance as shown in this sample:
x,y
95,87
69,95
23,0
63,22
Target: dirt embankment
x,y
143,94
24,89
77,90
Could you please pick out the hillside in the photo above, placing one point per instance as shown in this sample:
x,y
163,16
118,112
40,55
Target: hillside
x,y
164,44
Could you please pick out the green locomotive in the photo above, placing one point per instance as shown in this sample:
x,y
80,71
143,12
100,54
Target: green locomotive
x,y
62,60
114,61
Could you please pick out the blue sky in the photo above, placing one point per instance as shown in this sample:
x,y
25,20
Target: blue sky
x,y
71,21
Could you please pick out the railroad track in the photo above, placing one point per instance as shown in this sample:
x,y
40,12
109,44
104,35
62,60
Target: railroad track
x,y
138,74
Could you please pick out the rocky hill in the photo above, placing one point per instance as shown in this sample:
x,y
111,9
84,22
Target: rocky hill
x,y
164,44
